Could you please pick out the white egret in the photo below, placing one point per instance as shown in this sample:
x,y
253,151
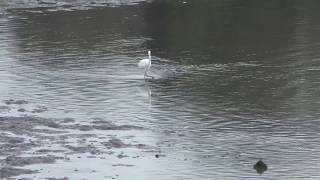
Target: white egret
x,y
146,64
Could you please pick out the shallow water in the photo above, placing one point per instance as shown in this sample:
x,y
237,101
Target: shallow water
x,y
236,81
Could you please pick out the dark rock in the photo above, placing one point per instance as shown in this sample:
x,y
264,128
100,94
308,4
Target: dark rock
x,y
260,167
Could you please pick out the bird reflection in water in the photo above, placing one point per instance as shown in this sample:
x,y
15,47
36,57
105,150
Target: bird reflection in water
x,y
145,91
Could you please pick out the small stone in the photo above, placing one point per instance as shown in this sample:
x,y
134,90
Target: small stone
x,y
260,167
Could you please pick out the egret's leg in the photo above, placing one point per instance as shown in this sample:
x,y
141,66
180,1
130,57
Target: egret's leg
x,y
145,73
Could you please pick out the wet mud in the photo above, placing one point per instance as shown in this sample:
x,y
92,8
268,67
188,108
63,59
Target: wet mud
x,y
28,140
7,172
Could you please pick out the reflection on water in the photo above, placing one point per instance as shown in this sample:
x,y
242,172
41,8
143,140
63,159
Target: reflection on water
x,y
245,83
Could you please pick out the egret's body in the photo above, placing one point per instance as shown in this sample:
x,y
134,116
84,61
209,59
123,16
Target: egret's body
x,y
146,64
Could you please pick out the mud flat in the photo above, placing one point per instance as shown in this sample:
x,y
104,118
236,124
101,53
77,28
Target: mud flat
x,y
29,141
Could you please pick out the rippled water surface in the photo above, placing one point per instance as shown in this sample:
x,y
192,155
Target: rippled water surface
x,y
235,81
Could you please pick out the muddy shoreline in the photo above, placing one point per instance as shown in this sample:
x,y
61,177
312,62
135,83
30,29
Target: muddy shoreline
x,y
29,140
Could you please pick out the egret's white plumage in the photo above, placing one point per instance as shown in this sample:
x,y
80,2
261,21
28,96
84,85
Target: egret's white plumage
x,y
146,64
143,63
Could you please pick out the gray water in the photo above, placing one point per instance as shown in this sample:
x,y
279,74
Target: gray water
x,y
236,81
